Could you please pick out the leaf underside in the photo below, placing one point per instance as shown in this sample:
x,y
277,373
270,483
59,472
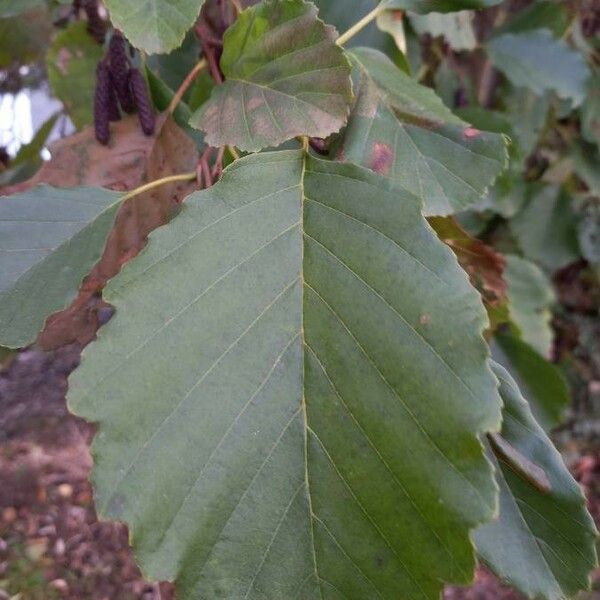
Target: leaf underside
x,y
305,365
401,129
156,26
285,77
544,541
49,241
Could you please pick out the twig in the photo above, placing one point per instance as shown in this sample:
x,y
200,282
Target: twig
x,y
190,78
360,25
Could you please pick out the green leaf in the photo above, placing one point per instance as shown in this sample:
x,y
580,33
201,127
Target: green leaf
x,y
528,114
530,295
267,382
540,62
24,38
544,541
71,62
546,228
162,95
286,77
442,6
541,382
590,110
14,8
456,28
542,14
173,68
28,159
49,241
155,26
402,130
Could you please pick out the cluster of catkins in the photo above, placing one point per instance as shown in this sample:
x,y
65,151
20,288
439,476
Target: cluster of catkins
x,y
119,84
590,18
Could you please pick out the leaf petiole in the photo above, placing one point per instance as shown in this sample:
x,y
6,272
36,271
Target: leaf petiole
x,y
360,25
190,78
158,182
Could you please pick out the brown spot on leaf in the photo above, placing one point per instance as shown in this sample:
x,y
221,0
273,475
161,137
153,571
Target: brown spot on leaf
x,y
382,158
254,103
425,319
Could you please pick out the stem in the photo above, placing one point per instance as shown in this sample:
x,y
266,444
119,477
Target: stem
x,y
158,182
359,26
237,6
191,76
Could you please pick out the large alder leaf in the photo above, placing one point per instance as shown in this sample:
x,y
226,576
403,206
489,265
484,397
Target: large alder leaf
x,y
544,541
156,26
49,241
290,394
403,130
285,77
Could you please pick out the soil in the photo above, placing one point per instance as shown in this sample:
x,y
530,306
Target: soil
x,y
51,543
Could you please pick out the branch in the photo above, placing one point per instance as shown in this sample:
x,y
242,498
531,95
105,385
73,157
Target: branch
x,y
360,25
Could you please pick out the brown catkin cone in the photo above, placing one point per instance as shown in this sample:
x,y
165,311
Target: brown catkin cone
x,y
142,101
119,71
102,104
96,25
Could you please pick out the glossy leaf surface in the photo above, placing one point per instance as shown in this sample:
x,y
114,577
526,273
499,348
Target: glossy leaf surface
x,y
156,26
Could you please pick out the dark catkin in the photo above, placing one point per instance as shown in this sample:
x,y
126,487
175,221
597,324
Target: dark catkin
x,y
142,101
102,104
96,24
119,71
113,106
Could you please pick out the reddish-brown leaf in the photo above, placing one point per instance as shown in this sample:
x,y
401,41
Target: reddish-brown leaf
x,y
128,161
484,265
